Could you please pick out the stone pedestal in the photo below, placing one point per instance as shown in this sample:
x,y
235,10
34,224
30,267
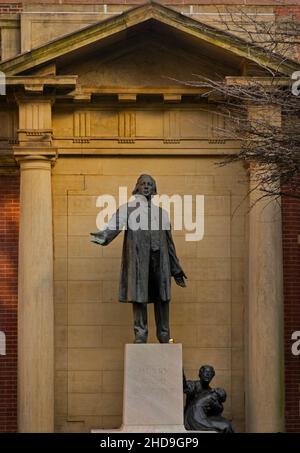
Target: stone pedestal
x,y
153,395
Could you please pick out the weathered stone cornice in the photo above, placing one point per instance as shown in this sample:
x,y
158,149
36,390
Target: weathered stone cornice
x,y
37,83
259,81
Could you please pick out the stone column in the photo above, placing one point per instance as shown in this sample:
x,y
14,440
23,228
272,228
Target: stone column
x,y
36,314
264,373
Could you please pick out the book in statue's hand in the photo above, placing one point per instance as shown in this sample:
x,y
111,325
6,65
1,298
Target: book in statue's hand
x,y
97,239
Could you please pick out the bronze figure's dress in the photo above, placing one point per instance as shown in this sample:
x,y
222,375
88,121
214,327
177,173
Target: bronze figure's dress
x,y
204,405
204,413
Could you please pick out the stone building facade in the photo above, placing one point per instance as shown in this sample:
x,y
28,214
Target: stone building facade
x,y
95,96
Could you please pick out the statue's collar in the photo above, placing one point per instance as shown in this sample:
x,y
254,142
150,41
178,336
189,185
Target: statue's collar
x,y
141,198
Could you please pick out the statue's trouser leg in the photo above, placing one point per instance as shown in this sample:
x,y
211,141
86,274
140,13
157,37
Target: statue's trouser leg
x,y
161,312
140,322
161,308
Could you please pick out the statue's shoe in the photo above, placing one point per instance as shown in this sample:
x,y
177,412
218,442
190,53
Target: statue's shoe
x,y
164,338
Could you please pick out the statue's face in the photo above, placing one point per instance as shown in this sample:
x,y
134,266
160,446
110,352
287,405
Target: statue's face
x,y
206,374
146,186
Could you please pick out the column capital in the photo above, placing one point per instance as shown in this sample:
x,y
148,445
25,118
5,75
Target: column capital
x,y
34,157
22,98
251,167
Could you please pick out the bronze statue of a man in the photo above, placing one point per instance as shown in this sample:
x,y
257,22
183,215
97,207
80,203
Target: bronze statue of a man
x,y
148,260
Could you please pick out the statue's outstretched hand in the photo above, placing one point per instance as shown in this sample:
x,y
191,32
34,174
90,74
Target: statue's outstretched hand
x,y
179,279
97,239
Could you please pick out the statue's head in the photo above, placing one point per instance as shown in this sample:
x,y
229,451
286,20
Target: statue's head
x,y
146,186
206,373
221,394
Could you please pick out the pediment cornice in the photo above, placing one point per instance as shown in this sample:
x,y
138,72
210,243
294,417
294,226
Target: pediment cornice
x,y
101,32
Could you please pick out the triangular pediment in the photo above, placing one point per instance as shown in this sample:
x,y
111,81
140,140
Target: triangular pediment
x,y
150,61
205,40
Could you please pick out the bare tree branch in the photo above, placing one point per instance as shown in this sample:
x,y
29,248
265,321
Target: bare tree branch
x,y
272,144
